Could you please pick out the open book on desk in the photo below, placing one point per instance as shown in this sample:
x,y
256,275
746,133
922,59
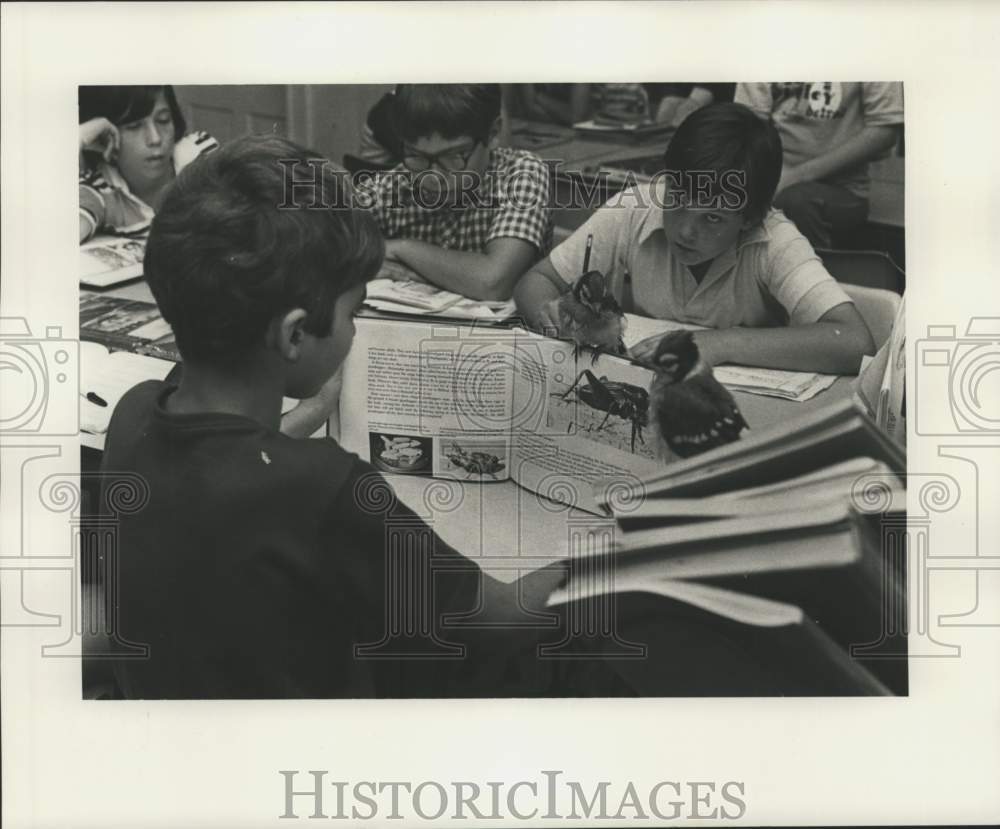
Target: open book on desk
x,y
788,385
111,260
484,403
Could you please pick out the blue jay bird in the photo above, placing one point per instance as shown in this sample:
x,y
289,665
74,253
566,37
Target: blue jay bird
x,y
690,411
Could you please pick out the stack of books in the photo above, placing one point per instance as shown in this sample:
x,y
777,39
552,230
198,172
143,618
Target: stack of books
x,y
788,540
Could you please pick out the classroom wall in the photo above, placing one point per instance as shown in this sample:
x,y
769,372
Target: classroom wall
x,y
324,117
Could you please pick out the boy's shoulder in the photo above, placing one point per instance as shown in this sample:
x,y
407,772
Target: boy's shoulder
x,y
778,231
506,162
234,449
511,157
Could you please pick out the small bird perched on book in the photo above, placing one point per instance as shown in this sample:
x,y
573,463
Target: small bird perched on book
x,y
589,313
690,410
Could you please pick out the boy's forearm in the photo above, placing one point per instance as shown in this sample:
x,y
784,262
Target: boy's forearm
x,y
474,275
827,347
863,147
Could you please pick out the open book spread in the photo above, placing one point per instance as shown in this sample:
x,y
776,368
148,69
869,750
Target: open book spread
x,y
788,385
423,299
485,404
110,260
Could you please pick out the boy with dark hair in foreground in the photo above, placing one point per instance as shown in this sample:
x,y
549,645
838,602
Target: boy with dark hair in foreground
x,y
261,561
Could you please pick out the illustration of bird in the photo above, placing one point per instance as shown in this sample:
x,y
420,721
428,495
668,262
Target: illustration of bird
x,y
690,411
589,313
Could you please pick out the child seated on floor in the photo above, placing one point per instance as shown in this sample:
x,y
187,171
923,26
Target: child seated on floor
x,y
259,561
460,212
701,244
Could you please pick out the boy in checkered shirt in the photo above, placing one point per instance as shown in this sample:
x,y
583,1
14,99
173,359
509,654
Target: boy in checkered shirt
x,y
460,212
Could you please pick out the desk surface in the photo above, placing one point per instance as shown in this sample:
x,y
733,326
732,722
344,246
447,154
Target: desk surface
x,y
510,530
583,153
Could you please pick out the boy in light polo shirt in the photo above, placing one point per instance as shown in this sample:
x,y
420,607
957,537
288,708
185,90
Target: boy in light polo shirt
x,y
701,244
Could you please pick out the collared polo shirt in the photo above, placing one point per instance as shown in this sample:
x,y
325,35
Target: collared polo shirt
x,y
770,277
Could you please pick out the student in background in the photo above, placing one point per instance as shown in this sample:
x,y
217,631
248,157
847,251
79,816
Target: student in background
x,y
133,142
830,131
621,102
259,561
460,211
711,251
676,101
380,141
560,103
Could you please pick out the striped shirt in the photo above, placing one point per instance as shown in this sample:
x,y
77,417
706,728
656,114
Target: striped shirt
x,y
108,205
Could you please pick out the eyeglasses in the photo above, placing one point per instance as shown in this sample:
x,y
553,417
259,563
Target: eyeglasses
x,y
450,160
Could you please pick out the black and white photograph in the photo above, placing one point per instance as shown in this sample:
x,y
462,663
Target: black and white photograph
x,y
757,187
433,394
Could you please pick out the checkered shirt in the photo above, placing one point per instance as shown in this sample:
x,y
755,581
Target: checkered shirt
x,y
511,202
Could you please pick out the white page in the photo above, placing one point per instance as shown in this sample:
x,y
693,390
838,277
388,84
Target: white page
x,y
109,376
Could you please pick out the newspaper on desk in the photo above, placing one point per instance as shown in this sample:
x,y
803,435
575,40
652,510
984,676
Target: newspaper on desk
x,y
423,299
787,385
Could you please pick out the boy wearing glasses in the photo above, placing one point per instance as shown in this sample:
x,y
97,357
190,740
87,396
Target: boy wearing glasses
x,y
459,211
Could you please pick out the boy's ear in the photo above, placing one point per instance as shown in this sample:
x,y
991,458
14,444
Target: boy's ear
x,y
286,333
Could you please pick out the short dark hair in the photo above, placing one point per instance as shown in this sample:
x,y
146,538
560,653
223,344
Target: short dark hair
x,y
449,109
729,137
230,248
124,104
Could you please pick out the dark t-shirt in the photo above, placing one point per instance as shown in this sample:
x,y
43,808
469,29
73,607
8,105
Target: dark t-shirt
x,y
260,561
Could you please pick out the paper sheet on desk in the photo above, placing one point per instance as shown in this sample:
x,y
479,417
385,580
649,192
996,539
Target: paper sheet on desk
x,y
424,299
788,385
109,376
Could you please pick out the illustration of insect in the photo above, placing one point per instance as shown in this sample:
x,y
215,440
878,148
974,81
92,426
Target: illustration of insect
x,y
475,463
619,399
